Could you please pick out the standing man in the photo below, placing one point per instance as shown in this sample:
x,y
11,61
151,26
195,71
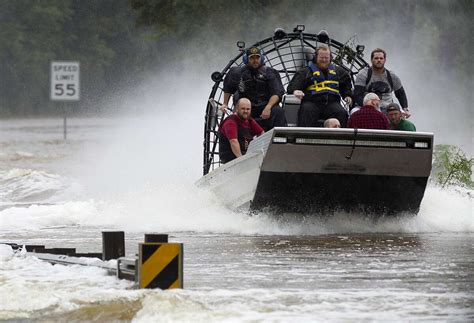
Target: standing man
x,y
261,85
368,117
381,81
237,131
320,87
396,121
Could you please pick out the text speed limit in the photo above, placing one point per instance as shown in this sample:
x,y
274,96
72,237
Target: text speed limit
x,y
65,81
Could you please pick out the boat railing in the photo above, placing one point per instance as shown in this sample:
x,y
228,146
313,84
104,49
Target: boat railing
x,y
285,52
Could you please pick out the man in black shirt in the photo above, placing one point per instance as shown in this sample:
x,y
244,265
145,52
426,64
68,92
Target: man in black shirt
x,y
261,85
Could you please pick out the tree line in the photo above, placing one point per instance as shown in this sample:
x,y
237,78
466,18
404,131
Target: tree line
x,y
101,35
120,42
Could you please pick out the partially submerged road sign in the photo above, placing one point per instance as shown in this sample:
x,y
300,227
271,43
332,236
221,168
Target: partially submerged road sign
x,y
160,265
65,81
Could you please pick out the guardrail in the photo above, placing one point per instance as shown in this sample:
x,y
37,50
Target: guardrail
x,y
159,264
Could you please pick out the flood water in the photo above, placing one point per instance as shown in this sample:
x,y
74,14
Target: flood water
x,y
122,175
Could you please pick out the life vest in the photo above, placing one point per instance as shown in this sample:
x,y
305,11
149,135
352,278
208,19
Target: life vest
x,y
244,137
322,85
254,86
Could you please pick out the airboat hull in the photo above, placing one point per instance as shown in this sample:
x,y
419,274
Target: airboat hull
x,y
235,182
319,170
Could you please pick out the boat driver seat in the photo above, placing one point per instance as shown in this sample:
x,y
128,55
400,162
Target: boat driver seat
x,y
291,106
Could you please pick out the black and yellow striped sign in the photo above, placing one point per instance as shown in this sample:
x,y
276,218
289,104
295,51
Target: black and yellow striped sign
x,y
161,265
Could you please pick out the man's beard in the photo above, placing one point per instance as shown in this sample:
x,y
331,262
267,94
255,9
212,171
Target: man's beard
x,y
243,117
324,66
379,66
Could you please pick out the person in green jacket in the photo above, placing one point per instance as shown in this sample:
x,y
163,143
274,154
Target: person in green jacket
x,y
394,114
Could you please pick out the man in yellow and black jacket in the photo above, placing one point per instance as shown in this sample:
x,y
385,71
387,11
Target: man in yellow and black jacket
x,y
320,87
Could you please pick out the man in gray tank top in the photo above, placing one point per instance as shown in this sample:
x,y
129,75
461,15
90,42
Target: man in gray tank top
x,y
381,81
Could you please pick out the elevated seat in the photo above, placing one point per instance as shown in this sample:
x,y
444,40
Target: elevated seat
x,y
291,106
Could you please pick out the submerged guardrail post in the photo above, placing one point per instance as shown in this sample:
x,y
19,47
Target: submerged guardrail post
x,y
127,268
113,244
56,251
34,248
160,263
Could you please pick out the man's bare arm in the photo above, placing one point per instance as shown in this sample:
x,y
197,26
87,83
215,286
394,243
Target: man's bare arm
x,y
225,105
235,146
274,99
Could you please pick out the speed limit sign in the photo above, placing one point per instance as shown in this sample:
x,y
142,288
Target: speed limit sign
x,y
65,81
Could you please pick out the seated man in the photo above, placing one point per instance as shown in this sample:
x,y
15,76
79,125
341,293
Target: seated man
x,y
261,85
396,121
368,117
320,87
332,123
237,131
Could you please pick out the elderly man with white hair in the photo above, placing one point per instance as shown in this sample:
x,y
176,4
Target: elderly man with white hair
x,y
368,117
332,123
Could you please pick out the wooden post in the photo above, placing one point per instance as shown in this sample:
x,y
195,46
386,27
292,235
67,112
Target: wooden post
x,y
113,245
153,237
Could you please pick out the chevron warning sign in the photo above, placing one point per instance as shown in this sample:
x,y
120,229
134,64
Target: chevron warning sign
x,y
161,265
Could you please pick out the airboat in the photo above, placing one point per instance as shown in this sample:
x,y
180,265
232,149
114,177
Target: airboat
x,y
315,170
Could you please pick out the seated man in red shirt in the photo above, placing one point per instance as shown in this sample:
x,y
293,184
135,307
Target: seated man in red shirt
x,y
369,117
237,131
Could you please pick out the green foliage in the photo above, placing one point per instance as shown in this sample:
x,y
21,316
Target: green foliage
x,y
101,35
444,32
30,33
452,166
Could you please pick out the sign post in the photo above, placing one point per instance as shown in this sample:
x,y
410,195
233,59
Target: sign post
x,y
65,85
